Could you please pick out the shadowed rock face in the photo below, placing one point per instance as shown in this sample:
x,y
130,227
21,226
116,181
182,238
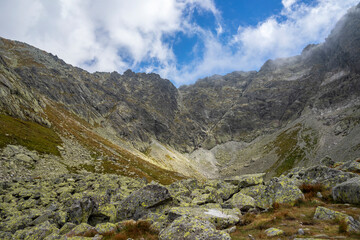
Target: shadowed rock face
x,y
239,106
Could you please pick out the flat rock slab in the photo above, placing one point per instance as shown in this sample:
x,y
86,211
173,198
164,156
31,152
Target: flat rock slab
x,y
247,180
221,218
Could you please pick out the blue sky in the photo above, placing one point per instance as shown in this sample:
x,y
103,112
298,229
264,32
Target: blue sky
x,y
182,40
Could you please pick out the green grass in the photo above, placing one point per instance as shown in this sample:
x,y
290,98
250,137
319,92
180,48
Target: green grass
x,y
288,149
28,134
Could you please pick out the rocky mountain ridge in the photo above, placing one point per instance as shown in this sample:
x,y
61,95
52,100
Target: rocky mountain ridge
x,y
293,112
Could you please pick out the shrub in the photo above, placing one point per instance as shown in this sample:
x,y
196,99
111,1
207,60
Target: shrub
x,y
275,206
343,226
310,190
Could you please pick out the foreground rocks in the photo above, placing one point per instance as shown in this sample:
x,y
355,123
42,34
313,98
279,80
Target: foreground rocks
x,y
73,205
188,228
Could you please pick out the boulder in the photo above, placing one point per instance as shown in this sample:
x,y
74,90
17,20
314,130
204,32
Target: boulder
x,y
102,228
347,192
81,209
138,203
80,229
279,190
271,232
323,213
241,201
350,166
189,228
221,218
246,180
6,236
329,177
205,198
38,232
327,161
67,228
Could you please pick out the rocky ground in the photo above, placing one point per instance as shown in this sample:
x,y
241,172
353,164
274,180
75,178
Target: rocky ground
x,y
93,206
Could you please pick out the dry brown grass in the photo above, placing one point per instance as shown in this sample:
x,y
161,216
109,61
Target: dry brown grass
x,y
343,226
291,218
135,230
310,190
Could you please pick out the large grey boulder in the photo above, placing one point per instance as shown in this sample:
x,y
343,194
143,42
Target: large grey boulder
x,y
189,228
140,202
347,192
277,190
326,176
241,201
81,210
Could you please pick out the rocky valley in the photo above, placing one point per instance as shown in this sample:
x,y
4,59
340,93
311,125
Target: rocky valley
x,y
94,155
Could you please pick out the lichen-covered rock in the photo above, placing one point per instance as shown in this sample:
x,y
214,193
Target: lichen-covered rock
x,y
350,166
67,228
323,213
326,176
347,192
159,221
226,191
138,203
279,190
189,228
13,223
55,236
6,236
271,232
37,232
221,218
246,180
206,198
102,228
241,201
81,209
80,229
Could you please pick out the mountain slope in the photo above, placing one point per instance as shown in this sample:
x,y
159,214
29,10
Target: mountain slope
x,y
294,111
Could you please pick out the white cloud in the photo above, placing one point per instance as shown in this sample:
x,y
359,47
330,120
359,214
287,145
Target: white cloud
x,y
121,34
114,34
288,3
272,38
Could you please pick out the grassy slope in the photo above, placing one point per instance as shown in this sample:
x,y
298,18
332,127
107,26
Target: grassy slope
x,y
119,160
28,134
291,147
